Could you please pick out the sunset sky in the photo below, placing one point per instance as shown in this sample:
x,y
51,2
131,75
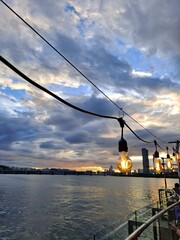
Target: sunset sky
x,y
128,49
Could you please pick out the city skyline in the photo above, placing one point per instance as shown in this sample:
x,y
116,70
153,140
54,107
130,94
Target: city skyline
x,y
129,50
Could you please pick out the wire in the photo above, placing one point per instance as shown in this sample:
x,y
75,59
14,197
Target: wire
x,y
137,135
144,127
156,144
160,147
49,92
122,123
77,69
8,64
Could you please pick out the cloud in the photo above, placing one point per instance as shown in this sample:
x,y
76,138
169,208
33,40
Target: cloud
x,y
153,26
79,137
50,145
141,74
132,55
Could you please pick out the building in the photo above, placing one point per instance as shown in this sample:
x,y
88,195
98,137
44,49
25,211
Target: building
x,y
145,160
111,169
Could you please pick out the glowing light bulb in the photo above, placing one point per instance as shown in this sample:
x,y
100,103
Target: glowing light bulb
x,y
169,163
174,157
177,157
158,165
124,163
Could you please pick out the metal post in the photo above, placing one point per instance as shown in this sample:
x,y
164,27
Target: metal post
x,y
179,171
178,160
136,218
165,182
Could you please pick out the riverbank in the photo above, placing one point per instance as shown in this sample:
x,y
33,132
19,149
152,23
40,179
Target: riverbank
x,y
90,173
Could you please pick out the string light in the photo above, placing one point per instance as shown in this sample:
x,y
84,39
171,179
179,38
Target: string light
x,y
124,163
168,160
157,161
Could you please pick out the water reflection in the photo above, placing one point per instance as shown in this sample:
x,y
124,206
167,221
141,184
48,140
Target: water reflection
x,y
69,207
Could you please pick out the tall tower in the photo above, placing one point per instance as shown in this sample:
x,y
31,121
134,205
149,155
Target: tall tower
x,y
145,160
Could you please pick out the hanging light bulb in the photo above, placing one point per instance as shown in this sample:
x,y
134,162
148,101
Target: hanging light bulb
x,y
169,163
177,157
157,161
168,160
174,155
158,165
124,163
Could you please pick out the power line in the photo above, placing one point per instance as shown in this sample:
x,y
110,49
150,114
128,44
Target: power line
x,y
8,64
80,72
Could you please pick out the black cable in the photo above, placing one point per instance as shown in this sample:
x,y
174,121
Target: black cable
x,y
49,92
77,69
8,64
144,127
160,146
156,144
136,134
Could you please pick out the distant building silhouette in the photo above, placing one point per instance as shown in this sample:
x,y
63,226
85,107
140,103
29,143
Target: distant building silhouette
x,y
145,160
111,169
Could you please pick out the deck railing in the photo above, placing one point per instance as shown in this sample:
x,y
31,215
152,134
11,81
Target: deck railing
x,y
151,222
162,220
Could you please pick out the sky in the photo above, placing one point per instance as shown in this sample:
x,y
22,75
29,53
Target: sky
x,y
129,49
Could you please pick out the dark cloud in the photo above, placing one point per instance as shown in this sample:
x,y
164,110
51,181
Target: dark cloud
x,y
99,106
18,128
51,145
155,24
79,137
67,120
70,47
149,86
107,63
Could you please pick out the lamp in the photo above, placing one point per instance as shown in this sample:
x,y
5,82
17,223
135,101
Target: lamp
x,y
157,161
174,155
177,156
168,160
124,163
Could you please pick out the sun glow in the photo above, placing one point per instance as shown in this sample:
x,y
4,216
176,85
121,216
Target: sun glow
x,y
90,168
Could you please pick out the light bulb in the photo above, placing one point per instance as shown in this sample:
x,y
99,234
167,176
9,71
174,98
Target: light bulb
x,y
158,165
174,157
124,163
169,163
177,157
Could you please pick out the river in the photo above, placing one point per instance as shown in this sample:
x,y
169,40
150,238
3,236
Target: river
x,y
35,207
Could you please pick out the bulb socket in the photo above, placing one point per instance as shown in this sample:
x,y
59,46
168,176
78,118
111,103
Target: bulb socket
x,y
156,154
122,146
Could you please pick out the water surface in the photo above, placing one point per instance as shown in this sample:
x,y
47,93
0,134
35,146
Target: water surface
x,y
69,206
